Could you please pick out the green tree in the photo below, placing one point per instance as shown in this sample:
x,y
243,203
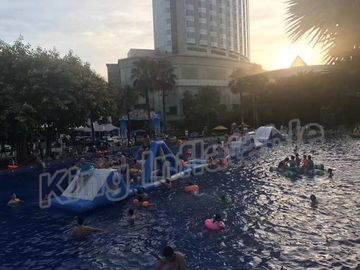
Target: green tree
x,y
165,82
41,91
248,81
129,97
333,24
144,77
207,101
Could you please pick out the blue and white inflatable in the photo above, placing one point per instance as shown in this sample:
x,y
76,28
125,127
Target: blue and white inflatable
x,y
93,188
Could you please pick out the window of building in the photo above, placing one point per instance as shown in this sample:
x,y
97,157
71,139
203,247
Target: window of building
x,y
203,42
189,12
190,35
202,15
202,25
203,37
190,24
202,20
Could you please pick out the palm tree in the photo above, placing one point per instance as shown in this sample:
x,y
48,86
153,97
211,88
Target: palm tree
x,y
143,74
165,81
241,83
129,97
207,100
332,23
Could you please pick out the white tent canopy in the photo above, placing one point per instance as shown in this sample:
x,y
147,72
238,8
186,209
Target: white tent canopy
x,y
266,133
98,128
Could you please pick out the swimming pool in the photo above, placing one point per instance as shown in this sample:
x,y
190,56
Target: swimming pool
x,y
269,224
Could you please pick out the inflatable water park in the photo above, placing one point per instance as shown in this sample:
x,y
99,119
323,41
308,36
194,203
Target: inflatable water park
x,y
92,188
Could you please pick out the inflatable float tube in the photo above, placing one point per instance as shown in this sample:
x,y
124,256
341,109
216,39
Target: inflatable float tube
x,y
191,189
316,172
214,226
286,173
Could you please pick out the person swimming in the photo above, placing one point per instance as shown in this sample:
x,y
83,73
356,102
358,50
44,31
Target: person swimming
x,y
217,218
295,148
172,259
297,160
168,183
225,199
311,165
305,161
313,200
14,200
45,200
131,217
330,173
292,163
81,231
141,195
283,165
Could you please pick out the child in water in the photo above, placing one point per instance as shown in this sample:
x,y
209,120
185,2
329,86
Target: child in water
x,y
131,216
330,172
217,219
14,201
314,201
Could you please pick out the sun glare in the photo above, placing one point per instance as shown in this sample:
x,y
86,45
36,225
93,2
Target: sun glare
x,y
286,55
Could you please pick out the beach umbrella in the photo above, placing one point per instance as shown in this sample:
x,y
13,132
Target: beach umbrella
x,y
220,128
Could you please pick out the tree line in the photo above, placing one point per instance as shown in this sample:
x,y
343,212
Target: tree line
x,y
42,93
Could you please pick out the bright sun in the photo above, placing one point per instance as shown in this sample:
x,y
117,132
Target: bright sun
x,y
287,54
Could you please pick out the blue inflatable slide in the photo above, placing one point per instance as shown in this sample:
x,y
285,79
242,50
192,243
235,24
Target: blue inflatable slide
x,y
92,188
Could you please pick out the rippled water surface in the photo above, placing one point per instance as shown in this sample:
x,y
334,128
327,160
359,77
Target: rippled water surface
x,y
269,224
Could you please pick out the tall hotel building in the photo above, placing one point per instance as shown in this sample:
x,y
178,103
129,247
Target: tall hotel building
x,y
205,40
202,27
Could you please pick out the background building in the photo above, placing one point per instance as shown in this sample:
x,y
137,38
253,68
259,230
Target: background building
x,y
202,27
205,40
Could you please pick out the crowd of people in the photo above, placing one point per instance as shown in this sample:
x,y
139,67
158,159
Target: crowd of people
x,y
172,259
304,165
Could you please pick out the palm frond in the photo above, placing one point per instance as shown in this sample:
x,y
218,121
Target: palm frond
x,y
335,24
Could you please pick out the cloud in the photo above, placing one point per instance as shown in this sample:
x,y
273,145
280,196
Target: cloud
x,y
102,31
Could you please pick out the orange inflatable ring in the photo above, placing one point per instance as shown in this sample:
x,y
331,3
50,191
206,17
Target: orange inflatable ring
x,y
191,189
12,167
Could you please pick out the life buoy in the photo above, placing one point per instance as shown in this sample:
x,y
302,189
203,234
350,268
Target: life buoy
x,y
214,226
12,167
191,189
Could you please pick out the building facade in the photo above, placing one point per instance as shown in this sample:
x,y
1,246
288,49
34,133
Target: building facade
x,y
205,41
202,27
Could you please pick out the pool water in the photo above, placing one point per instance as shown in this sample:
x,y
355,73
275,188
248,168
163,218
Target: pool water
x,y
269,223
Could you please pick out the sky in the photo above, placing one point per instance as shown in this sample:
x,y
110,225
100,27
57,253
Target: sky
x,y
102,31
